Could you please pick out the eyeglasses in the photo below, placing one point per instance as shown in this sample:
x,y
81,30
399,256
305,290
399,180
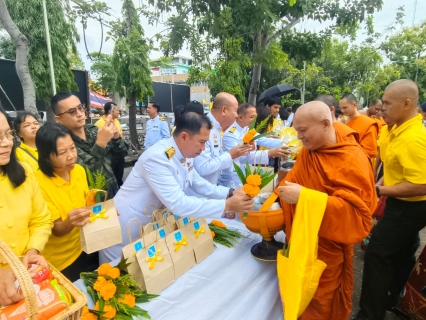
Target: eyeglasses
x,y
73,111
9,135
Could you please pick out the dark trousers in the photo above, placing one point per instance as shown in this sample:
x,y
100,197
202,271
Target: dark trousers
x,y
84,263
117,165
390,256
273,162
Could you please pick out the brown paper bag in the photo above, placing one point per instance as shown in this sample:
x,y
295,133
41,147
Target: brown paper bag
x,y
182,221
156,267
104,229
270,187
181,250
201,238
129,251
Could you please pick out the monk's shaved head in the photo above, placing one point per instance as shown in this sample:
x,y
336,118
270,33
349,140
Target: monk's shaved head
x,y
400,101
314,125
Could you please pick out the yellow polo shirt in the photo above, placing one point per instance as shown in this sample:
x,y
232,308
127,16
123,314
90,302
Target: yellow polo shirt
x,y
25,157
25,221
383,140
405,156
101,122
61,197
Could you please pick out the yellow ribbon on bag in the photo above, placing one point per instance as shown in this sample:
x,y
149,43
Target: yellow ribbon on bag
x,y
199,231
154,259
299,271
101,215
180,243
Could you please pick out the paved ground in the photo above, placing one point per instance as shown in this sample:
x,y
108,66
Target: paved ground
x,y
358,265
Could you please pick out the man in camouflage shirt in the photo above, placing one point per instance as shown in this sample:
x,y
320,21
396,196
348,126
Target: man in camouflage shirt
x,y
95,147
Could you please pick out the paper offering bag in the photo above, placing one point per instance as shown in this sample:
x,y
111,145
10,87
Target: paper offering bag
x,y
201,238
103,229
156,267
181,250
129,251
182,221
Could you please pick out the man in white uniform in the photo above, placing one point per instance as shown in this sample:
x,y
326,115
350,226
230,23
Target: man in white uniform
x,y
234,135
214,159
163,176
156,127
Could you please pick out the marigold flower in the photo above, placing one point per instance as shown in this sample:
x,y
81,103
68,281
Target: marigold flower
x,y
108,291
110,312
100,282
219,224
129,299
251,190
213,234
114,273
254,180
104,269
249,136
87,315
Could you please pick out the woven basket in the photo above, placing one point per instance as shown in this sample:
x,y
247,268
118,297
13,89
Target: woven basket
x,y
72,312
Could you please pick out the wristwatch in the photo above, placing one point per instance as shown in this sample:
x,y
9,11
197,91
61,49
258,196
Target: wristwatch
x,y
378,191
230,193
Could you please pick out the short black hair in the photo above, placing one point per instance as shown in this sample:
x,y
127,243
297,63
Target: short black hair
x,y
54,102
375,101
108,107
262,114
193,106
295,107
328,99
13,169
337,112
284,114
243,107
349,97
20,117
155,105
270,101
46,139
423,107
177,110
191,122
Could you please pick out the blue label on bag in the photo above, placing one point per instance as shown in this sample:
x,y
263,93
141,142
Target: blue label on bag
x,y
185,221
151,251
138,246
196,225
162,233
166,214
177,217
97,209
178,236
155,226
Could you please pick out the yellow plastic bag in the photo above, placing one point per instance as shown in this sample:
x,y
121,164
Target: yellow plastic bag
x,y
299,273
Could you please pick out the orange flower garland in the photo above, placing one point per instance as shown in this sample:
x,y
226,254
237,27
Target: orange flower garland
x,y
248,137
108,291
219,224
87,315
110,312
128,299
251,190
213,234
107,270
254,179
100,282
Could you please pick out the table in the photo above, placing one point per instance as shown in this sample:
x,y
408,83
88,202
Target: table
x,y
228,284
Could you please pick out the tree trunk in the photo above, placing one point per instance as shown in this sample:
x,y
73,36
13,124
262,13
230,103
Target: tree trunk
x,y
132,121
21,61
259,45
50,116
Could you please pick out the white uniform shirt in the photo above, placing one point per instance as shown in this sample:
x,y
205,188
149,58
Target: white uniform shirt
x,y
160,181
233,137
156,129
213,159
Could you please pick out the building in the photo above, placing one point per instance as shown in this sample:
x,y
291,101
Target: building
x,y
177,72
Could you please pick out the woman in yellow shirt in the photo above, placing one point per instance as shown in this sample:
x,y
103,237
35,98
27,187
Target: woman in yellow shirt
x,y
64,186
26,126
25,223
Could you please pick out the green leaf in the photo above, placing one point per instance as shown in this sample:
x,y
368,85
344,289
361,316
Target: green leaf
x,y
266,180
248,170
90,179
253,123
262,124
262,135
240,173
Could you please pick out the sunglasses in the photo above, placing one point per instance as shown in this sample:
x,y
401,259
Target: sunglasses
x,y
73,111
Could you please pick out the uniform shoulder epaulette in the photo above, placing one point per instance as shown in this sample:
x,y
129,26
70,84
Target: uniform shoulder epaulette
x,y
170,152
162,118
232,130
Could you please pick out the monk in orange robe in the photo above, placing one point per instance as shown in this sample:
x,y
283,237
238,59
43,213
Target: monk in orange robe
x,y
340,127
367,128
330,163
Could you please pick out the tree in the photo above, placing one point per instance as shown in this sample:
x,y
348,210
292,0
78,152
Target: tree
x,y
7,48
130,62
102,71
21,57
260,23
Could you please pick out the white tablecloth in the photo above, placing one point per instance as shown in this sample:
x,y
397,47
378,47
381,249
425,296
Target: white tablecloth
x,y
228,284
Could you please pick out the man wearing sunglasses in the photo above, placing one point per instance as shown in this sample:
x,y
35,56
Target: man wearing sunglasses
x,y
95,147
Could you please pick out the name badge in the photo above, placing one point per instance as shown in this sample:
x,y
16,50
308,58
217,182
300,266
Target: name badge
x,y
138,246
97,209
196,226
185,221
178,236
151,251
162,233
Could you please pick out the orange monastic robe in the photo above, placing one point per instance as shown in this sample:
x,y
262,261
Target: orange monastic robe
x,y
346,131
337,170
368,130
380,122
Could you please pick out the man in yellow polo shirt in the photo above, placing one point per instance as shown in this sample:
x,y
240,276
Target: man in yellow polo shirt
x,y
117,163
389,258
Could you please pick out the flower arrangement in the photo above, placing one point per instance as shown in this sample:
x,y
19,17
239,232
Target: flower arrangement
x,y
224,236
252,134
115,294
254,181
289,137
97,183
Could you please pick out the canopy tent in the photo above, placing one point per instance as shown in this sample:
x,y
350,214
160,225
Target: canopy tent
x,y
98,101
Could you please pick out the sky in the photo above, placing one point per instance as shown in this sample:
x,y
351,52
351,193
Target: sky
x,y
382,20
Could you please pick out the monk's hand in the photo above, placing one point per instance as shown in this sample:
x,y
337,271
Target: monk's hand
x,y
290,192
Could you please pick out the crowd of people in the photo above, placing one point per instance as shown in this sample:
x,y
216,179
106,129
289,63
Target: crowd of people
x,y
353,156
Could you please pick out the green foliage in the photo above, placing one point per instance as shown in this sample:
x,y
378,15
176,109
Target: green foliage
x,y
225,236
28,16
102,71
75,61
7,48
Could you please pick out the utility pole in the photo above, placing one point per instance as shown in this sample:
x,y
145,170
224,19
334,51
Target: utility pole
x,y
49,48
304,82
